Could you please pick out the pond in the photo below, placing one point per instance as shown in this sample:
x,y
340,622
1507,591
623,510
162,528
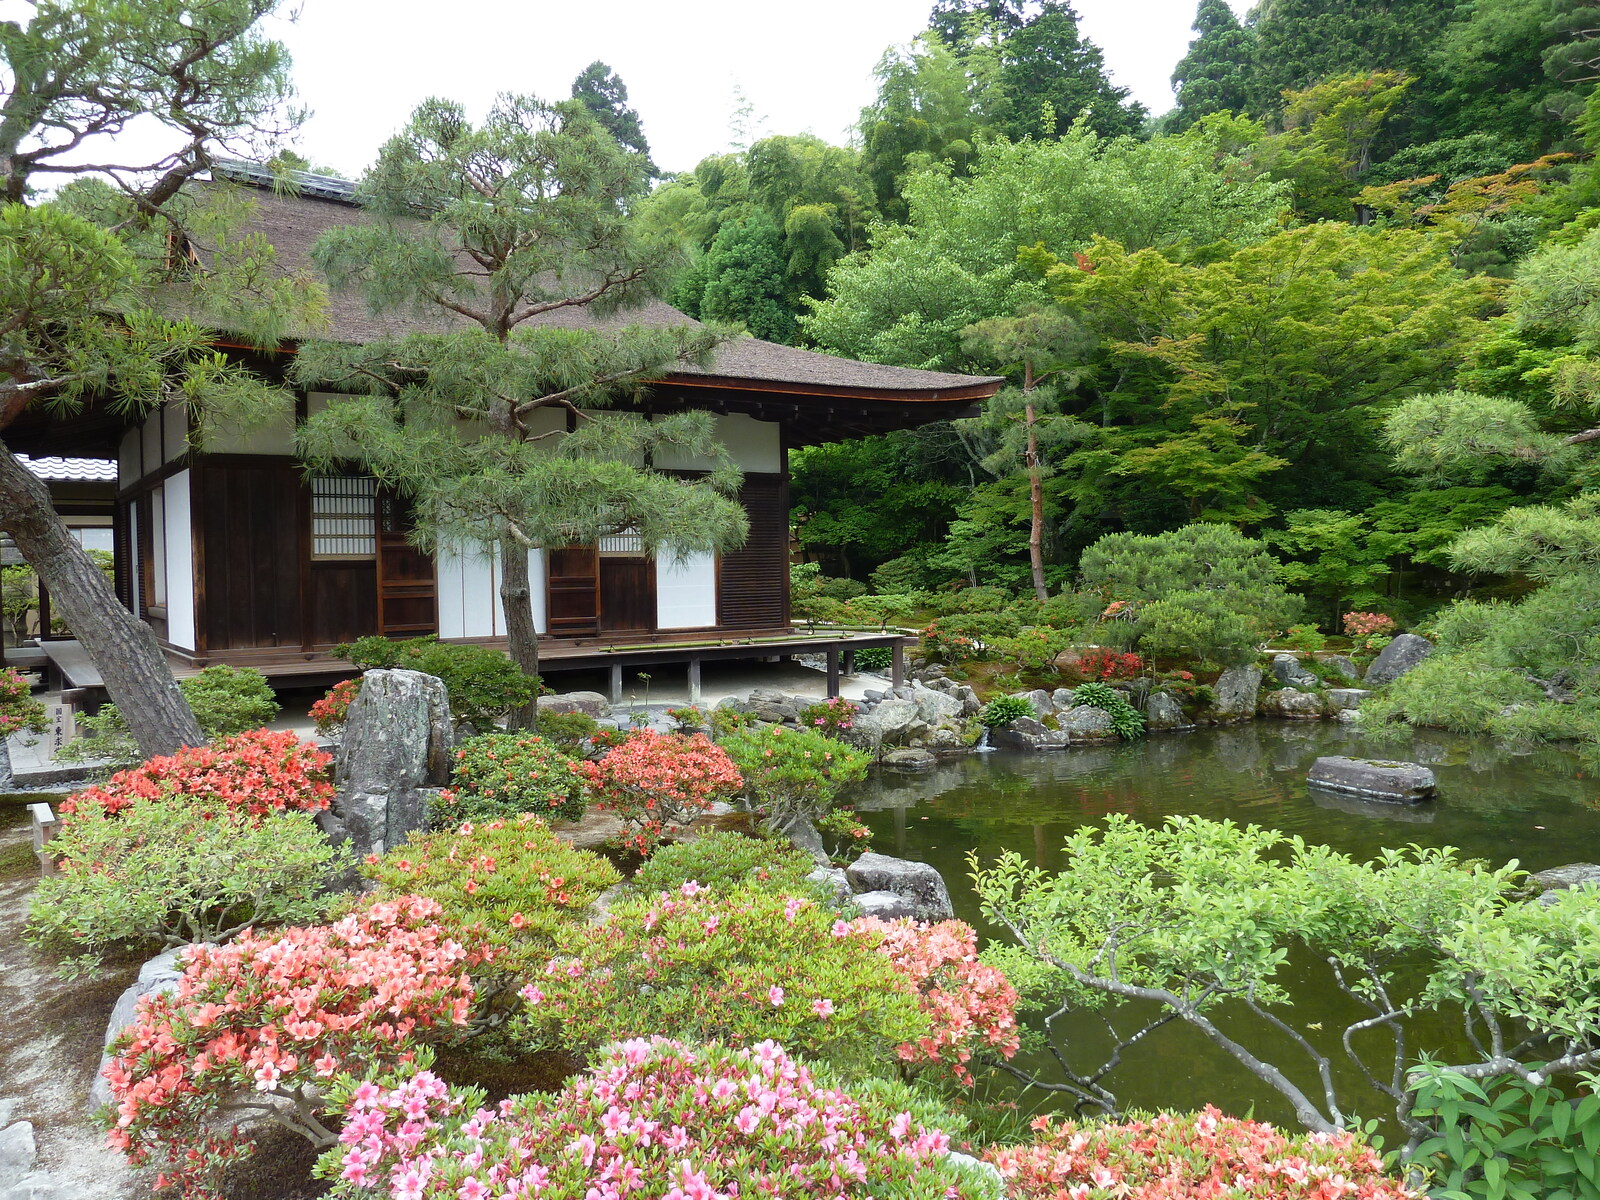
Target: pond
x,y
1539,808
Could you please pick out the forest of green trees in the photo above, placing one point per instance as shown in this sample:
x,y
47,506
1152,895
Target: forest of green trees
x,y
1344,296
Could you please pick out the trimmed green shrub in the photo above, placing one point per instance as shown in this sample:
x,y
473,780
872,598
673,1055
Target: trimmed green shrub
x,y
570,731
484,684
723,860
1125,718
1003,710
969,635
794,774
505,774
226,700
874,658
161,873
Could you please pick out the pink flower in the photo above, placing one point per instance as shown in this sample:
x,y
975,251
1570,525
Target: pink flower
x,y
775,996
822,1007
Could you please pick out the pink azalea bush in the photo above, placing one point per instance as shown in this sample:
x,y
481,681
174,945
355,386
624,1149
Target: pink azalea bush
x,y
652,1119
1192,1156
1369,630
18,709
277,1015
651,779
255,773
737,967
969,1006
333,710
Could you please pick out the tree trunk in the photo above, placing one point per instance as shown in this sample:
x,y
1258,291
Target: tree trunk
x,y
123,647
522,636
1036,498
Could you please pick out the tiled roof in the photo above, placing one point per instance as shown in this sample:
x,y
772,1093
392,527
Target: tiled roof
x,y
72,470
292,223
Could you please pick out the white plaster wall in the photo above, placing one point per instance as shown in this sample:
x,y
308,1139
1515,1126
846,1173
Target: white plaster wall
x,y
686,592
136,575
150,433
469,591
273,437
180,562
754,445
129,468
175,430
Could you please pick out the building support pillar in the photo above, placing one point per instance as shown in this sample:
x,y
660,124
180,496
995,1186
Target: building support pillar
x,y
694,680
833,672
897,671
616,683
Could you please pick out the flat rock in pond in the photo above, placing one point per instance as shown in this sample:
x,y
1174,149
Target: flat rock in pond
x,y
1559,879
886,906
921,884
913,758
1396,782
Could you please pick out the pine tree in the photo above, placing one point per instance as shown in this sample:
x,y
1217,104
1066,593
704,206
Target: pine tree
x,y
1218,73
1051,75
1301,42
602,92
494,227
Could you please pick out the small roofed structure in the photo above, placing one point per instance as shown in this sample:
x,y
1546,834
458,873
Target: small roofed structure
x,y
237,555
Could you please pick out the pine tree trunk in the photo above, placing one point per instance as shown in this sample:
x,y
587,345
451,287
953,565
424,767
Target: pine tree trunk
x,y
1036,498
522,635
123,647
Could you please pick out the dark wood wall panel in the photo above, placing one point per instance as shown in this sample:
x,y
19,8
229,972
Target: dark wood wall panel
x,y
254,562
752,582
627,594
343,602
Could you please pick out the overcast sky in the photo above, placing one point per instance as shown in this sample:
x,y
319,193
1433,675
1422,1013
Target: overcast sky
x,y
362,65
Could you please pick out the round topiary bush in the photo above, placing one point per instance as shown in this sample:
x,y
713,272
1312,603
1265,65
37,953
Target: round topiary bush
x,y
720,859
504,774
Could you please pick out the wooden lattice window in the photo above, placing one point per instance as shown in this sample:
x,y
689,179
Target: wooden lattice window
x,y
344,517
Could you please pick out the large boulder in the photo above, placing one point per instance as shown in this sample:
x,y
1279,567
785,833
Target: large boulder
x,y
1288,671
910,759
1234,694
918,882
157,976
1291,703
1559,879
1162,711
833,885
395,754
934,706
1343,664
1086,723
590,704
1344,699
1043,705
1025,733
1399,656
886,906
1062,699
1395,782
895,720
864,733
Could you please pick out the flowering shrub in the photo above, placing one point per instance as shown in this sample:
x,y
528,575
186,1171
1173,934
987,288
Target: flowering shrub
x,y
830,716
969,1006
277,1015
651,779
161,875
1369,630
508,888
1102,664
733,967
653,1118
720,859
18,708
1035,649
794,774
333,710
688,719
967,636
504,774
1189,1157
843,836
256,773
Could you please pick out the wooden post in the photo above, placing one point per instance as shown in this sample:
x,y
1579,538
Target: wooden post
x,y
45,827
833,672
897,671
694,680
849,662
616,683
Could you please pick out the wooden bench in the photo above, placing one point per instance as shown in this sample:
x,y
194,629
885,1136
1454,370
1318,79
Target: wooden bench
x,y
73,671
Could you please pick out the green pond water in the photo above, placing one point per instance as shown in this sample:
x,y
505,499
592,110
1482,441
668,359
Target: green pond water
x,y
1494,804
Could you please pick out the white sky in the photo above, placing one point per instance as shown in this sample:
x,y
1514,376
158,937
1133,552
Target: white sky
x,y
362,65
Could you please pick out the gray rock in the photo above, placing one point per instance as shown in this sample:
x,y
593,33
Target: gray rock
x,y
1025,733
398,735
1086,723
918,882
1349,716
1235,692
1041,701
1341,663
17,1153
1163,711
1397,782
971,706
777,714
1291,703
831,882
865,732
933,706
1062,699
157,976
895,718
910,759
1343,698
804,835
1287,670
590,704
980,1167
886,906
872,696
35,1186
1570,876
1398,657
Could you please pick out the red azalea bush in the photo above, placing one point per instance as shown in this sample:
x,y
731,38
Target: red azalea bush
x,y
277,1015
1103,664
333,710
650,779
1192,1156
653,1118
256,773
970,1006
18,708
1369,630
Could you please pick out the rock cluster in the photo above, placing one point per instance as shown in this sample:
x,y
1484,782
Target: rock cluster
x,y
20,1178
886,887
930,715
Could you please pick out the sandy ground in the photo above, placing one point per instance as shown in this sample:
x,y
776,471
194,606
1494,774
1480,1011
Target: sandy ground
x,y
50,1035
